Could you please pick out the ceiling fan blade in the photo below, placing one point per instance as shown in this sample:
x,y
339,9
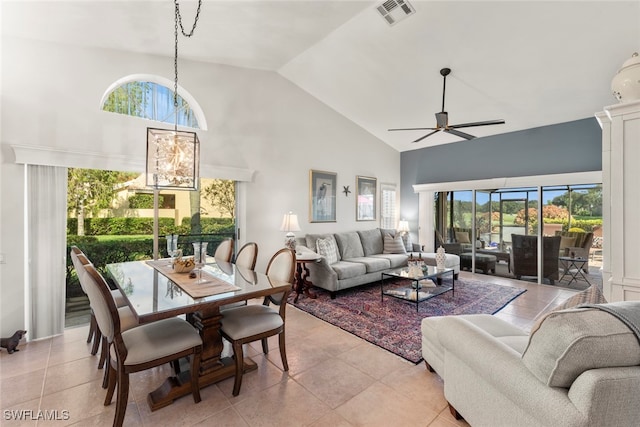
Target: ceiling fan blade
x,y
460,134
485,123
413,129
427,135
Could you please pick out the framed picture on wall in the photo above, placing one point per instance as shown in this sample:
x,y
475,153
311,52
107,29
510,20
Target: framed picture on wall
x,y
366,189
322,196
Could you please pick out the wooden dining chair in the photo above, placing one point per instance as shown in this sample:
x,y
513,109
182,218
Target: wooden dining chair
x,y
94,331
247,256
242,325
127,318
143,347
245,260
224,251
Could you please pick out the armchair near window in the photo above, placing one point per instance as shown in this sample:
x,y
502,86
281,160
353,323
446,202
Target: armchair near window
x,y
449,247
578,243
524,253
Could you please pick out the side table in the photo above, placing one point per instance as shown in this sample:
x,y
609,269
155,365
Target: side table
x,y
302,282
573,264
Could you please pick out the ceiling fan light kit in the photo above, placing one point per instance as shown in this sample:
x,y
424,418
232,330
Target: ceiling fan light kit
x,y
442,118
626,83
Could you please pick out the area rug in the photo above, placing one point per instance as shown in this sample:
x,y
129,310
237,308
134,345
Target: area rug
x,y
394,324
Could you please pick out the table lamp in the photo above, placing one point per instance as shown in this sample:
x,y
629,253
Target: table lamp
x,y
403,229
290,224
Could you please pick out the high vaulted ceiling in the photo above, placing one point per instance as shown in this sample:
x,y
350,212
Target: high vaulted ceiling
x,y
531,63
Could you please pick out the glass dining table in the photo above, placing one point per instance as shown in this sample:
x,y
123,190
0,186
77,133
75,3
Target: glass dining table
x,y
152,295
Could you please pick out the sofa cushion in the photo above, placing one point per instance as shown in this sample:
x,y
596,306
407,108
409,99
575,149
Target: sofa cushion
x,y
348,270
390,231
349,245
393,245
311,240
371,241
569,342
327,248
395,260
372,264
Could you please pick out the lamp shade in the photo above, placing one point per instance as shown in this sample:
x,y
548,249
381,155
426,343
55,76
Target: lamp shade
x,y
403,226
172,159
290,222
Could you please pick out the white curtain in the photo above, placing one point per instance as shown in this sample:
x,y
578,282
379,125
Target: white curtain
x,y
46,200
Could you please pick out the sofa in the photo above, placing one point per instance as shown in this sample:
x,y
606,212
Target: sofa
x,y
579,367
354,258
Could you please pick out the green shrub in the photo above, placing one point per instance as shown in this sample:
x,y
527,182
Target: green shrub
x,y
576,230
103,252
122,226
586,224
210,225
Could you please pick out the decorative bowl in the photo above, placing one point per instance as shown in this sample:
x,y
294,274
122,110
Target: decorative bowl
x,y
183,265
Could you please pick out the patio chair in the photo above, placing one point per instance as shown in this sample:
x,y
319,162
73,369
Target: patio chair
x,y
578,243
449,247
524,252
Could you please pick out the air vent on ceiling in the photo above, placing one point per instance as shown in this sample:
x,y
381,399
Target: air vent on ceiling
x,y
395,10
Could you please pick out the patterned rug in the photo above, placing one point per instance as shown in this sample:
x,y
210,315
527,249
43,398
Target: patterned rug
x,y
394,324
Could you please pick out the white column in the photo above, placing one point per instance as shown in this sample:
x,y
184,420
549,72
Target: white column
x,y
605,123
426,219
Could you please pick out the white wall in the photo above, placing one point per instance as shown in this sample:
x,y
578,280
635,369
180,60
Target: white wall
x,y
257,121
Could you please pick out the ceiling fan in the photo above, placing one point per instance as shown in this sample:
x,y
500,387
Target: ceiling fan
x,y
442,118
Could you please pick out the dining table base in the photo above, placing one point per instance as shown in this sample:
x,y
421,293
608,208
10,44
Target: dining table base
x,y
180,385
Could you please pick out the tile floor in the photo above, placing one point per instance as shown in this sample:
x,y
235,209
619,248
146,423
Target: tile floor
x,y
335,379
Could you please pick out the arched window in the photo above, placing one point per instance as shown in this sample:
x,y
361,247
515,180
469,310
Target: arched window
x,y
151,97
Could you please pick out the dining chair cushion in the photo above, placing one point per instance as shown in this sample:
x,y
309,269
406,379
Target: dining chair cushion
x,y
250,320
151,341
127,318
118,298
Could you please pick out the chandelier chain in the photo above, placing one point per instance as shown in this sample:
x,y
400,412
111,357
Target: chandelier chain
x,y
178,21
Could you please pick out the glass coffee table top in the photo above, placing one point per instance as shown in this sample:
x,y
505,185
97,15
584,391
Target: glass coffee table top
x,y
418,284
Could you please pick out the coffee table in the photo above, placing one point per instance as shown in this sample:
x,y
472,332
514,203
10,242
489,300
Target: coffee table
x,y
424,286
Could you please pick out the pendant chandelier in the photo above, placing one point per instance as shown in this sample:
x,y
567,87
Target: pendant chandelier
x,y
173,156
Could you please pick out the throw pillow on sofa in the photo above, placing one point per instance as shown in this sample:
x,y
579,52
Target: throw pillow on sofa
x,y
312,240
393,245
328,249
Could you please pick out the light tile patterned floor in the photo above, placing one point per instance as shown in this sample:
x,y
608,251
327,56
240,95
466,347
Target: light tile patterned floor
x,y
335,379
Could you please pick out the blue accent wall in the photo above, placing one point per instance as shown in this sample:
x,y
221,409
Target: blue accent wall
x,y
562,148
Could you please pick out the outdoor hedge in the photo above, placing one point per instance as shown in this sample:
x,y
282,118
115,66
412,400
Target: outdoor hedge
x,y
120,226
103,252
